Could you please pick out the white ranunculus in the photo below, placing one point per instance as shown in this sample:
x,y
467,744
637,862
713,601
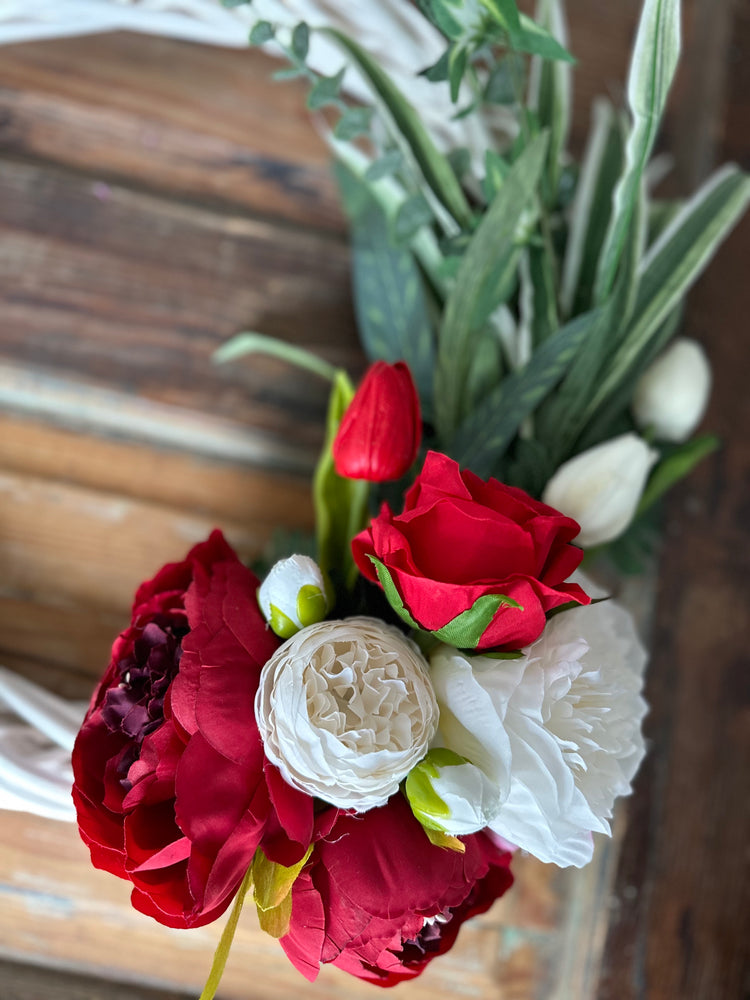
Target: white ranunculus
x,y
558,730
345,710
671,396
293,595
601,487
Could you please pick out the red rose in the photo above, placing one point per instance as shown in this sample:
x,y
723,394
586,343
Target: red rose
x,y
172,788
460,539
379,435
365,900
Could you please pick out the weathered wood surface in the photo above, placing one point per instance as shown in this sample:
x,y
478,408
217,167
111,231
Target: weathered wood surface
x,y
155,198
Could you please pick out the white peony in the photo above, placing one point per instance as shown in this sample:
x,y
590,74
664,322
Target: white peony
x,y
558,730
345,710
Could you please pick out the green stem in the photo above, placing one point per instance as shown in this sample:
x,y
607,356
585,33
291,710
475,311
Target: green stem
x,y
225,943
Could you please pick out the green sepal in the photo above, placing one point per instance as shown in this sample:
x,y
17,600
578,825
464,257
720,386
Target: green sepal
x,y
466,629
272,891
312,605
445,840
424,800
502,654
281,624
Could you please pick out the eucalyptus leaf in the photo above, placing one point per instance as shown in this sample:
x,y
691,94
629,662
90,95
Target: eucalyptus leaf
x,y
325,91
410,134
353,122
261,32
301,41
485,434
652,68
485,277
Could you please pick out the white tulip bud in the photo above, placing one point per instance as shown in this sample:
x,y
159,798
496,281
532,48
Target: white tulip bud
x,y
448,793
293,595
601,487
671,395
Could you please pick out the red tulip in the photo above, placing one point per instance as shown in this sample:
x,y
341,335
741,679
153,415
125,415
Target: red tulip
x,y
379,435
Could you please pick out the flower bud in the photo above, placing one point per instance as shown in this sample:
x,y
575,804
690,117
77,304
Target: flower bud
x,y
379,435
449,794
293,595
671,395
601,487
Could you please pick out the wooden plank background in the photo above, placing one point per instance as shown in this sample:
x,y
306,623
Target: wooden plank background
x,y
155,198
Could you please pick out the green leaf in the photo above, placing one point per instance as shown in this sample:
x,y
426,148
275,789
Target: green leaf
x,y
675,466
592,206
496,169
340,504
412,214
536,41
353,122
440,13
225,943
551,96
672,264
485,434
542,264
409,133
261,32
325,91
652,68
485,277
465,630
388,164
389,296
259,343
438,72
301,41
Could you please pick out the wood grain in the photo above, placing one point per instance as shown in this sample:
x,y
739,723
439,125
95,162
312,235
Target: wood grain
x,y
193,122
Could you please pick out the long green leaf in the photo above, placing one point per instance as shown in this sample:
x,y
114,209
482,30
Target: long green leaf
x,y
260,343
672,264
655,56
410,134
484,277
485,434
564,417
674,467
550,93
389,298
592,205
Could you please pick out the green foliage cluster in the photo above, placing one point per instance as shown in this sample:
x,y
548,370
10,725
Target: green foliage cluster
x,y
527,293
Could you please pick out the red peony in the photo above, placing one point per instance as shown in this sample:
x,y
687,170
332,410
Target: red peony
x,y
459,539
366,899
172,788
379,435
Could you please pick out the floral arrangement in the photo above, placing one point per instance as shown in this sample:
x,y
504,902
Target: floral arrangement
x,y
366,731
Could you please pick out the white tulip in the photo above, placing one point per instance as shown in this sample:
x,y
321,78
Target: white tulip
x,y
601,487
671,396
345,710
557,731
293,595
